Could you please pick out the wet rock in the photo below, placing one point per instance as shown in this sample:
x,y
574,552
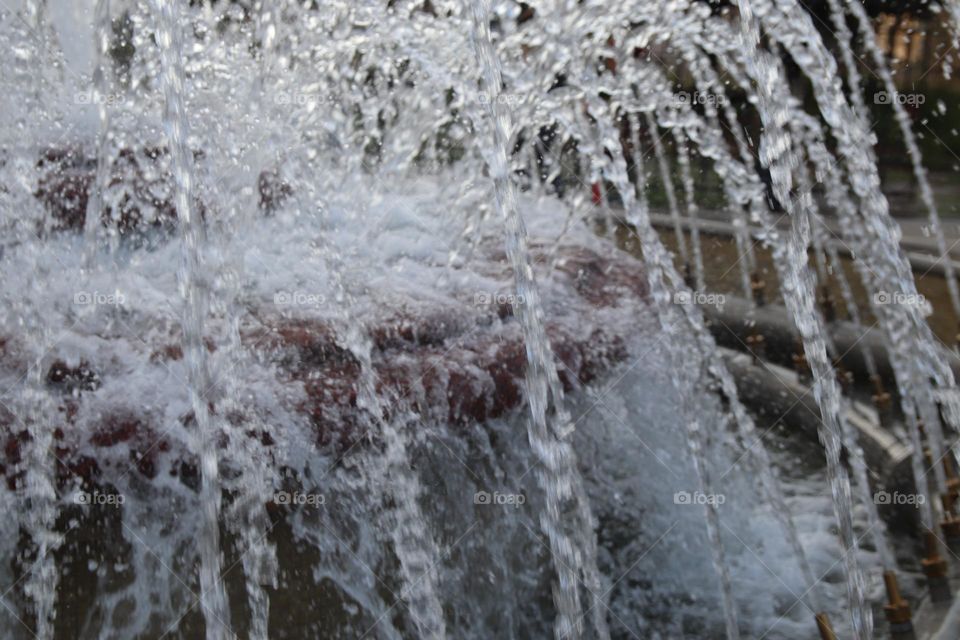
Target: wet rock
x,y
138,192
66,379
144,443
442,364
64,186
274,191
601,281
167,353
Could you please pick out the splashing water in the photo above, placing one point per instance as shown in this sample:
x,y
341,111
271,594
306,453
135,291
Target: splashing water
x,y
322,407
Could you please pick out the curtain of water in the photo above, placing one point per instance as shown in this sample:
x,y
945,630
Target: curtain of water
x,y
720,368
851,436
917,360
714,96
824,165
37,500
825,170
394,480
549,393
557,472
251,484
778,156
658,263
412,540
194,288
665,284
881,68
713,147
837,197
737,185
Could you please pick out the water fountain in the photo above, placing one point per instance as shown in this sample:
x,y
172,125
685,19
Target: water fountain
x,y
273,368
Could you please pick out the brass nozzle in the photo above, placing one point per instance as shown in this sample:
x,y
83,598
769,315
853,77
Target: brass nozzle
x,y
934,565
800,364
881,399
897,609
758,288
844,376
825,628
756,343
826,302
949,501
877,382
953,481
950,525
951,528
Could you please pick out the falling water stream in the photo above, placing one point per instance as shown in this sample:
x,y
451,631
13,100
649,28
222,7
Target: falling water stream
x,y
884,267
868,37
558,472
194,287
101,89
777,155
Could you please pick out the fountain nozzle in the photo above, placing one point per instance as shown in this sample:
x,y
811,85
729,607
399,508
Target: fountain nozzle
x,y
897,610
756,344
758,288
825,628
844,376
800,364
935,568
953,481
827,304
881,400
